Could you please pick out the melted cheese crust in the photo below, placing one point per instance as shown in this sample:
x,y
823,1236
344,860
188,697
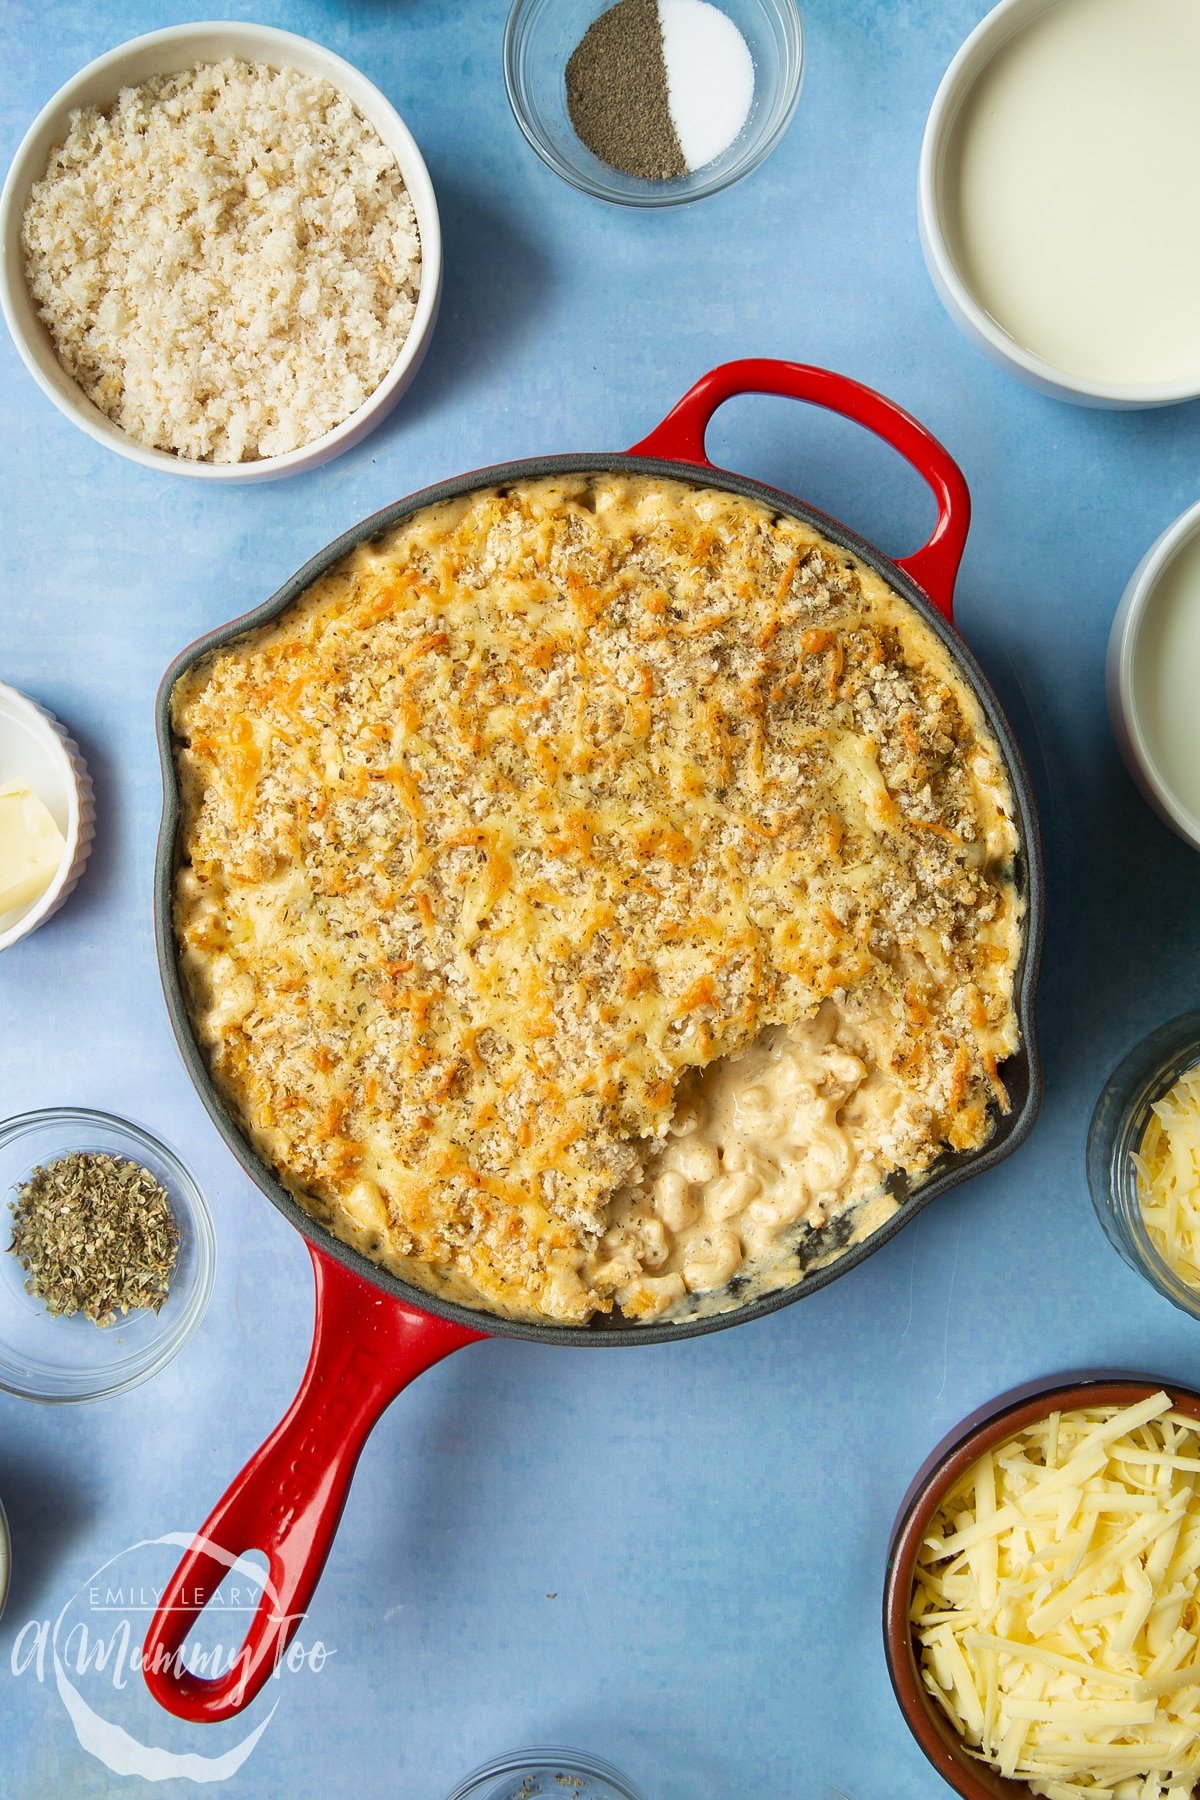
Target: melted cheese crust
x,y
549,797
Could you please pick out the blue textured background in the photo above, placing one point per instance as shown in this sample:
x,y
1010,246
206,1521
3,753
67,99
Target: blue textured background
x,y
712,1518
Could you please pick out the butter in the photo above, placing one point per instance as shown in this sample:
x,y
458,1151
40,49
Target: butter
x,y
31,846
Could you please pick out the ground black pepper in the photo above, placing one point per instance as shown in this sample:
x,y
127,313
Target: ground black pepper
x,y
617,92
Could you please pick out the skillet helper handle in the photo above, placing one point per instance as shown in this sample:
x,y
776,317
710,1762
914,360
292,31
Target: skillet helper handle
x,y
288,1499
934,567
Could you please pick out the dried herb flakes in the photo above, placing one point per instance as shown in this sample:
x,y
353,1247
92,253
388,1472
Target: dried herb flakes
x,y
95,1234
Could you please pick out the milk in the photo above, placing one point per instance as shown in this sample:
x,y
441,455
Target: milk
x,y
1074,216
1166,676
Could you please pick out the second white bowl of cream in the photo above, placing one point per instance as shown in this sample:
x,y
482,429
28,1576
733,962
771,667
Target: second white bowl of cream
x,y
1056,196
1154,675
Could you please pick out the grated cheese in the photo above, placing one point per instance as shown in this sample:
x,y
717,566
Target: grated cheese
x,y
1168,1176
1056,1605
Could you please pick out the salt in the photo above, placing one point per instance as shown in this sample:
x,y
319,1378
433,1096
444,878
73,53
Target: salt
x,y
710,77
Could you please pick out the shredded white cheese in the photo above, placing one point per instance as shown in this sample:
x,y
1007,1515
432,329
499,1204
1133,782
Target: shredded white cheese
x,y
539,808
1168,1170
1056,1608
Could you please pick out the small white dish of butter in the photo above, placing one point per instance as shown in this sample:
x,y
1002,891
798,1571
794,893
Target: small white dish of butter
x,y
46,815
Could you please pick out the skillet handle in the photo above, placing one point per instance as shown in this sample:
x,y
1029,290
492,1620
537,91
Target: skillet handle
x,y
680,438
288,1499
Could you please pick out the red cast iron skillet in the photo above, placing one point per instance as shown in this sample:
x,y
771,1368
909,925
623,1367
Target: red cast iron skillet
x,y
373,1332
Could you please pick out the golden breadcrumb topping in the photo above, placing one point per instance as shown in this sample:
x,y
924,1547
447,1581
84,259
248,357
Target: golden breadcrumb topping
x,y
549,797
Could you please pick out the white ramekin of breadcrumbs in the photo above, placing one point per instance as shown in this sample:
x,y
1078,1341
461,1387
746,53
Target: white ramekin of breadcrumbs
x,y
221,252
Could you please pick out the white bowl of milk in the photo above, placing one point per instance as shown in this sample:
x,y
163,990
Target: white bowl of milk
x,y
1057,196
1153,675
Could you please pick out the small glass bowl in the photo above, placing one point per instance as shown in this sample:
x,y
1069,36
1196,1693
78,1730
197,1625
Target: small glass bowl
x,y
538,40
1118,1124
63,1359
546,1774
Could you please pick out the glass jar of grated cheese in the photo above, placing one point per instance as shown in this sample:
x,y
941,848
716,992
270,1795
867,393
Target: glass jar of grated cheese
x,y
1143,1160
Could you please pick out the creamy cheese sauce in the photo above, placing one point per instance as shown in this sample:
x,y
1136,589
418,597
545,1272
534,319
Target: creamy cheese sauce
x,y
1073,219
765,1146
1166,676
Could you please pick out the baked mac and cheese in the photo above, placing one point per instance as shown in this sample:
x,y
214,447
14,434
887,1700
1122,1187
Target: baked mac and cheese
x,y
594,893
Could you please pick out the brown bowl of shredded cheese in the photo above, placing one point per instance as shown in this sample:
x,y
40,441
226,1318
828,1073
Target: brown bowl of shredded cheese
x,y
1042,1603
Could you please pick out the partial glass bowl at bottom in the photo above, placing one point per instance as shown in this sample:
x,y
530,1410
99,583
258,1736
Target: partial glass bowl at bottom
x,y
59,1359
546,1774
1118,1124
538,41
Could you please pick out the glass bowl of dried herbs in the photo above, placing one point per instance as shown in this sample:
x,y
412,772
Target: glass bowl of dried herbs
x,y
107,1255
653,102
